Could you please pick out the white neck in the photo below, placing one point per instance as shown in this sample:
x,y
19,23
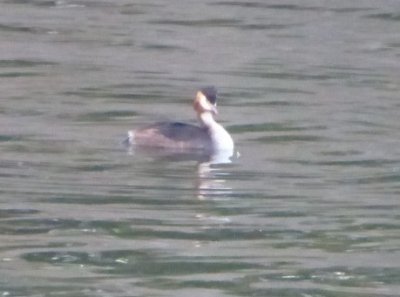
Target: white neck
x,y
220,137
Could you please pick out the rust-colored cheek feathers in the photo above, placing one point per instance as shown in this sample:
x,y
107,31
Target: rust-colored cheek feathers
x,y
202,104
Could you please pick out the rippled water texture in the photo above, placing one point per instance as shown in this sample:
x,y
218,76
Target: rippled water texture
x,y
308,89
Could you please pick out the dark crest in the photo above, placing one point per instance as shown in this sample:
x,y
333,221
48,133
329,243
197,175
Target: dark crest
x,y
211,94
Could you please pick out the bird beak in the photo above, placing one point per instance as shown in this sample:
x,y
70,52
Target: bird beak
x,y
214,109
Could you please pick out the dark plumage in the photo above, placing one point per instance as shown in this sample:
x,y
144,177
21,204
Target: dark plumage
x,y
174,135
211,94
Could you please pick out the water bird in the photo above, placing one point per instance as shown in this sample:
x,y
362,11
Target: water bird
x,y
209,136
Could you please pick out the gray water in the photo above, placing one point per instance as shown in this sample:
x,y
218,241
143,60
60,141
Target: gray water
x,y
310,93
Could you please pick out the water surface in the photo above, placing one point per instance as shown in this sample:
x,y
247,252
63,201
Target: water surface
x,y
309,91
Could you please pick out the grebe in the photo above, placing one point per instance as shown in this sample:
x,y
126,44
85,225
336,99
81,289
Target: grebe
x,y
210,136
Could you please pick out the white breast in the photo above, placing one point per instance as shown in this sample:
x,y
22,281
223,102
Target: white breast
x,y
221,138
